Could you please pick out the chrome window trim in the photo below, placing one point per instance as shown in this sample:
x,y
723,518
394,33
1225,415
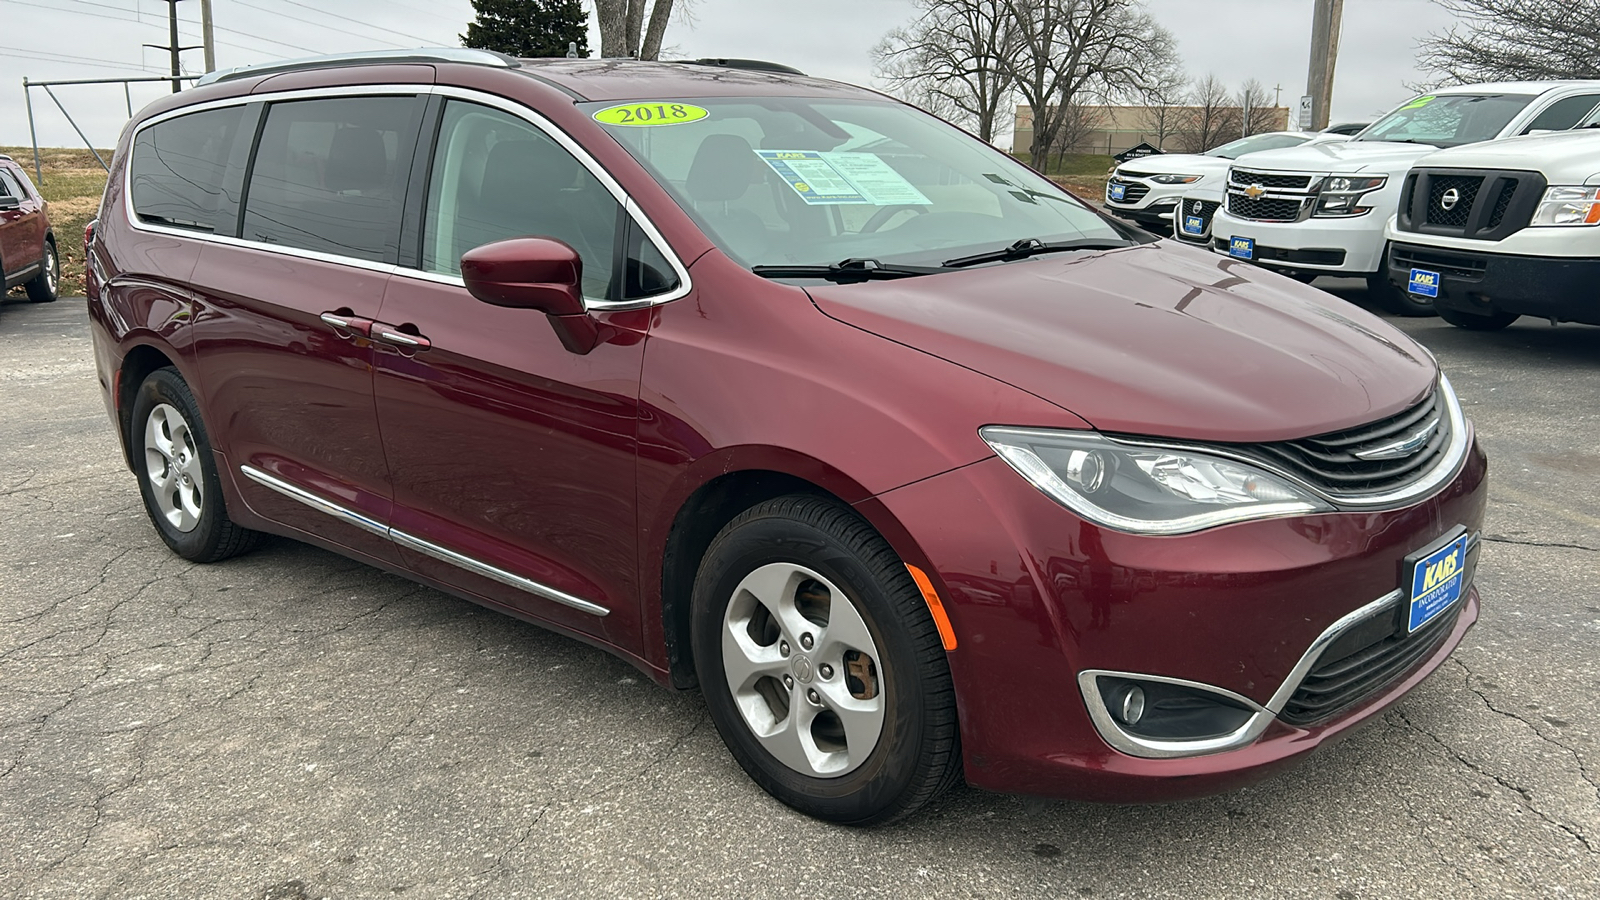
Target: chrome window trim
x,y
443,554
1148,748
515,108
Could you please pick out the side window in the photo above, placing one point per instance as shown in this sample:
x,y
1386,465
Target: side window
x,y
329,175
648,272
495,176
177,167
1564,113
9,187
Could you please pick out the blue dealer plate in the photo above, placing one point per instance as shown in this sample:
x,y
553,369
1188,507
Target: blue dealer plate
x,y
1242,247
1437,581
1118,191
1194,225
1424,283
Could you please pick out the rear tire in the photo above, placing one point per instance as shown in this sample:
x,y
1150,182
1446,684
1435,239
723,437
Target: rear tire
x,y
1473,322
43,287
1390,298
821,665
178,473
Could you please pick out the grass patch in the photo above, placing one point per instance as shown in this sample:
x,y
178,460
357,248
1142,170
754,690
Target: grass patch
x,y
72,185
1086,165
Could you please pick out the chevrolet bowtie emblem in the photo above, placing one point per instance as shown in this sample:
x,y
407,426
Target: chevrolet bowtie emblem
x,y
1404,447
1254,191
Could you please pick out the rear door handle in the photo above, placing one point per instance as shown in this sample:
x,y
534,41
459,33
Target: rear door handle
x,y
402,339
343,320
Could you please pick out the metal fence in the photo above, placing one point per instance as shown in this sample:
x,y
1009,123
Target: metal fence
x,y
33,136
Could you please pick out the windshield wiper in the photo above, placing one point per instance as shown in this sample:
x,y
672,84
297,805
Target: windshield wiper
x,y
853,269
1034,247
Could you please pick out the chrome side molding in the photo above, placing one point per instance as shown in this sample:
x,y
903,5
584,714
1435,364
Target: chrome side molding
x,y
427,548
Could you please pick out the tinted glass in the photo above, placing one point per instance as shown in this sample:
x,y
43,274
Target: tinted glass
x,y
1448,120
9,186
649,273
495,176
788,180
1256,143
177,167
1564,113
329,175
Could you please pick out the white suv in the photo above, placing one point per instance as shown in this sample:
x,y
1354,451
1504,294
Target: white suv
x,y
1145,190
1321,209
1496,231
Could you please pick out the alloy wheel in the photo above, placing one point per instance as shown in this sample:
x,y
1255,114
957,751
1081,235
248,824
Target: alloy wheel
x,y
172,463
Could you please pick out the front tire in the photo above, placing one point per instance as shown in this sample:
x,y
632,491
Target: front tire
x,y
1473,322
821,665
178,473
44,286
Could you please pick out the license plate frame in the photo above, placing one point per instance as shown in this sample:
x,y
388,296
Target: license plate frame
x,y
1435,579
1242,247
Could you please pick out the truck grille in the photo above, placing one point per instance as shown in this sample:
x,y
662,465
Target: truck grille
x,y
1508,189
1287,196
1267,209
1271,180
1458,192
1204,210
1334,462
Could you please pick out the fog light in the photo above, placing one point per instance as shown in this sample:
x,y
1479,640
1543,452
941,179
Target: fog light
x,y
1129,708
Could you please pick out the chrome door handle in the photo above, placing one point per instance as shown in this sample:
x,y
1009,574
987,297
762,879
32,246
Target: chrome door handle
x,y
392,335
343,320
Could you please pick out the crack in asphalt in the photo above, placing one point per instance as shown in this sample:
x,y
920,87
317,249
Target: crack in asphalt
x,y
1501,539
1583,768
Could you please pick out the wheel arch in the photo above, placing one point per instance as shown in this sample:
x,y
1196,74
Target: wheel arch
x,y
137,364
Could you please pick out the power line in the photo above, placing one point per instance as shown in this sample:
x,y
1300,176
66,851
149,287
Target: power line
x,y
357,21
75,61
284,15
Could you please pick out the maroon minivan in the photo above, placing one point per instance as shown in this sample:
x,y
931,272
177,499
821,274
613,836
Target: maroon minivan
x,y
917,466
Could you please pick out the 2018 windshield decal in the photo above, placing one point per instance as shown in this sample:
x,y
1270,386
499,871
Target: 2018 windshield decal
x,y
651,114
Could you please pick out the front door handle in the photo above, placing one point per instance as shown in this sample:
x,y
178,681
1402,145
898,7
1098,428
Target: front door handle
x,y
405,340
343,320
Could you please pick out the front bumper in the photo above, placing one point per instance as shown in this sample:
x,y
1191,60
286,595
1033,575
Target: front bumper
x,y
1352,246
1153,209
1037,597
1550,287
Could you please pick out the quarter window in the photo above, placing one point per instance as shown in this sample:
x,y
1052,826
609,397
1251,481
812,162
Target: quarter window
x,y
329,175
495,177
9,186
1564,113
176,171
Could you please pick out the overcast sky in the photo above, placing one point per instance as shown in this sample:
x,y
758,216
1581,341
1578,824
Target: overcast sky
x,y
1268,40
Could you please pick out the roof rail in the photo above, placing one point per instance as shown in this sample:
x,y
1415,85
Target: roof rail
x,y
756,65
366,57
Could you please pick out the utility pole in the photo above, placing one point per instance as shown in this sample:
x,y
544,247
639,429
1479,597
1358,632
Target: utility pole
x,y
206,37
1325,24
172,43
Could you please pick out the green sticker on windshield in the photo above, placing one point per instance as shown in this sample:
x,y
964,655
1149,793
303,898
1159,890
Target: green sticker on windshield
x,y
633,114
1419,102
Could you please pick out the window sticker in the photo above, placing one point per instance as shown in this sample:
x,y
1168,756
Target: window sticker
x,y
1419,102
822,179
650,114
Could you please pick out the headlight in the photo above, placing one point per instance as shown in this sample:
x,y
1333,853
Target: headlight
x,y
1175,179
1341,195
1146,490
1568,206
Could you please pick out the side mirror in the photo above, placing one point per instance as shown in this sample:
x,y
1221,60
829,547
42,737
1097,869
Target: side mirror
x,y
8,204
535,273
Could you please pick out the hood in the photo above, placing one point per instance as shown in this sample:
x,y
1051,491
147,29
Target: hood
x,y
1174,164
1564,157
1384,157
1157,340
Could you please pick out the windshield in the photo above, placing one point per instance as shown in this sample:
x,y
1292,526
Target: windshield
x,y
1448,120
1255,143
797,181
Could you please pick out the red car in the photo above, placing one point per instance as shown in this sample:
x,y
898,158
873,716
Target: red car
x,y
27,245
917,466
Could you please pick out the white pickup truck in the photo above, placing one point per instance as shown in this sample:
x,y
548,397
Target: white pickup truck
x,y
1321,209
1491,232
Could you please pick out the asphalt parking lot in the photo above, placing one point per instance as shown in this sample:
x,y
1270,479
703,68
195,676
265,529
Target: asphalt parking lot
x,y
292,725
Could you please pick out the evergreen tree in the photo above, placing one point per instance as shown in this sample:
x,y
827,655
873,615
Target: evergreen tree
x,y
528,27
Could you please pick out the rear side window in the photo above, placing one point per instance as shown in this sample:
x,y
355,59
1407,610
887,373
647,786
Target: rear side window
x,y
177,167
1564,113
329,175
9,186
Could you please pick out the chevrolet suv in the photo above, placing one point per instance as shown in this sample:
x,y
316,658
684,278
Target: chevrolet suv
x,y
918,466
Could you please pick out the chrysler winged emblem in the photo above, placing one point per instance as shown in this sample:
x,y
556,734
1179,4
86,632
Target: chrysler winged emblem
x,y
1403,447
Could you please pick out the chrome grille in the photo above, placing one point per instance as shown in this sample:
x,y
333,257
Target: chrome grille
x,y
1273,180
1345,674
1135,191
1204,210
1352,462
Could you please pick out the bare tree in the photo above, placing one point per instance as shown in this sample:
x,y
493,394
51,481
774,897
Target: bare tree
x,y
1515,40
1077,123
1164,100
623,32
1211,118
1255,108
1071,52
951,61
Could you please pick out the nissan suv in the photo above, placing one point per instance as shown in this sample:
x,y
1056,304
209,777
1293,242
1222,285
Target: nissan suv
x,y
1321,209
919,467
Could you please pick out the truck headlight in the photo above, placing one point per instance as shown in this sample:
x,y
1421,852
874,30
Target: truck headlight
x,y
1146,490
1568,206
1341,195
